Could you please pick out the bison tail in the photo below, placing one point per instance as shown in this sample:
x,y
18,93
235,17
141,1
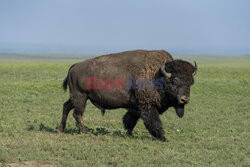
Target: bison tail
x,y
65,83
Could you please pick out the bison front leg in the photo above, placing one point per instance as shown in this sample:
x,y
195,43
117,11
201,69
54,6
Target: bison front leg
x,y
152,121
129,121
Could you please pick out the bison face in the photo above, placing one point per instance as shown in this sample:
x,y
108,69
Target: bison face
x,y
178,78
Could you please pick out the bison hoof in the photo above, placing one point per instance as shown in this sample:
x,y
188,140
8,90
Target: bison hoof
x,y
128,134
60,129
163,139
83,130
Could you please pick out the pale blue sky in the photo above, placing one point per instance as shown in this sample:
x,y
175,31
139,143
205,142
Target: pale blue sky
x,y
179,26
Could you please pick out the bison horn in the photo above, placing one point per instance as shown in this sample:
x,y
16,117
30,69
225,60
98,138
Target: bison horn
x,y
168,75
195,68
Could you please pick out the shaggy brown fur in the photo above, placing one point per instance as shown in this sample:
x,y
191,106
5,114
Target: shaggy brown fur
x,y
153,62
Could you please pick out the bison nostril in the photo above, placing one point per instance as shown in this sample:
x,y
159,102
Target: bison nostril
x,y
184,99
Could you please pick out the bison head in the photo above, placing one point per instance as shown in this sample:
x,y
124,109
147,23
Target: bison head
x,y
178,78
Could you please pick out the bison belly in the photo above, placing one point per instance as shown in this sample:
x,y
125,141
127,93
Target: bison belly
x,y
112,98
108,84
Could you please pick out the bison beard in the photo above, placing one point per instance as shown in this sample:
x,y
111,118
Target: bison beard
x,y
179,110
146,104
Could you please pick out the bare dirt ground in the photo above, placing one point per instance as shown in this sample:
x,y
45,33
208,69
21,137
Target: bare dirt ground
x,y
40,163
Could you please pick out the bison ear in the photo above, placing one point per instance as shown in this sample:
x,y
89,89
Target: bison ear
x,y
163,71
195,68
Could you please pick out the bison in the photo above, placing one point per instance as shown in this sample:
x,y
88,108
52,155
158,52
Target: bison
x,y
105,81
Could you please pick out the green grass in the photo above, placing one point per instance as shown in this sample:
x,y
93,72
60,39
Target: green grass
x,y
213,132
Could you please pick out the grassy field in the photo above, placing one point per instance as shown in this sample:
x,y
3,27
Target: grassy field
x,y
215,130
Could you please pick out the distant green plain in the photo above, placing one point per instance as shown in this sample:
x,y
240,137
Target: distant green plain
x,y
215,130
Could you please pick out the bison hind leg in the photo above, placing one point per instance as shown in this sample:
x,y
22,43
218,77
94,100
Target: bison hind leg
x,y
129,121
79,102
67,106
